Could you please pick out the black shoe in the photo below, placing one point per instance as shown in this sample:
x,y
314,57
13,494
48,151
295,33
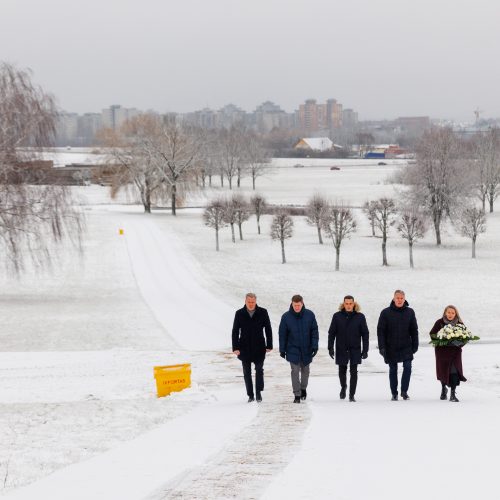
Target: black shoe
x,y
297,399
394,397
250,399
444,393
342,393
453,397
259,397
351,398
405,396
303,394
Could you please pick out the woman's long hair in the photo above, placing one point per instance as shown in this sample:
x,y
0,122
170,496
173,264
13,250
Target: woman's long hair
x,y
457,318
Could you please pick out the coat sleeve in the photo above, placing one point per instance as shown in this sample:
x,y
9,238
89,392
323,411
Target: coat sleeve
x,y
414,333
332,333
365,334
283,334
382,331
236,332
314,333
435,328
268,330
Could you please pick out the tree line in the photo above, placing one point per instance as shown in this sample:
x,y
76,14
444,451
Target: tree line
x,y
164,160
447,181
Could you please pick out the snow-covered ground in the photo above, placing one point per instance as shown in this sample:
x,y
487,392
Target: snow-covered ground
x,y
79,417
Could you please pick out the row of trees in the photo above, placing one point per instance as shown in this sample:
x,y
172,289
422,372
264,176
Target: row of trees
x,y
337,221
164,160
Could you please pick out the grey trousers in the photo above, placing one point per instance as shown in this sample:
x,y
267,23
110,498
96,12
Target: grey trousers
x,y
300,377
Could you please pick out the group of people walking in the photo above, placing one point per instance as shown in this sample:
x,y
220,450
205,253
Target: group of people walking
x,y
348,345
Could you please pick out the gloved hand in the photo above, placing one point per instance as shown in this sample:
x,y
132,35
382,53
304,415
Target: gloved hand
x,y
364,355
331,352
314,352
283,354
382,352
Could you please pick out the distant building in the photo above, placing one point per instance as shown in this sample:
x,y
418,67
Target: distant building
x,y
324,118
349,118
67,129
315,144
413,124
268,116
115,116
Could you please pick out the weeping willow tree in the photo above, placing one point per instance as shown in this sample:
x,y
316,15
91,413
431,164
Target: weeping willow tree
x,y
34,212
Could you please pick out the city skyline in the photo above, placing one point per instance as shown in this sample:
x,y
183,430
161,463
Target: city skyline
x,y
385,59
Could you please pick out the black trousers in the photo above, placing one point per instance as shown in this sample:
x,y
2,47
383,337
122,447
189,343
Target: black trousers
x,y
353,382
259,376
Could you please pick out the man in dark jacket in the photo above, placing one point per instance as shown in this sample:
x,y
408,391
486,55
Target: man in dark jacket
x,y
250,324
299,338
347,329
397,333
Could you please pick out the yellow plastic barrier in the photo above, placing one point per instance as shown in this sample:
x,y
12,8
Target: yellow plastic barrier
x,y
172,378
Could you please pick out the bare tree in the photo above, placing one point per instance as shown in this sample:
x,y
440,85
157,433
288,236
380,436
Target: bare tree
x,y
384,212
213,216
230,216
316,210
368,209
282,229
241,211
33,211
175,150
255,157
438,179
487,166
338,222
258,204
471,222
231,153
412,227
132,162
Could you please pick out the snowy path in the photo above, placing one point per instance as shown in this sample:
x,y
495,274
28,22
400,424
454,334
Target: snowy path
x,y
169,283
247,464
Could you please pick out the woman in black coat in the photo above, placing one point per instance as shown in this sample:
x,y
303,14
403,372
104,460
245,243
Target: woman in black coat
x,y
348,329
250,324
449,369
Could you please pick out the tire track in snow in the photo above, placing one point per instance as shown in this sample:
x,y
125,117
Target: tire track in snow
x,y
246,466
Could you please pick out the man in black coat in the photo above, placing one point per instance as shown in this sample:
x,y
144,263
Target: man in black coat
x,y
397,333
250,324
347,329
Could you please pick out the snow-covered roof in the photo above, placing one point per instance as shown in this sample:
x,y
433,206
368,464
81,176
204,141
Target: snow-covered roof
x,y
318,143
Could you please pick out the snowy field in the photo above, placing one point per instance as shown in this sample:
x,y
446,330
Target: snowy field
x,y
79,417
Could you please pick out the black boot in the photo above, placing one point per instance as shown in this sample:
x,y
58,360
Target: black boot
x,y
405,396
444,392
259,397
250,399
351,398
303,394
342,392
394,397
297,399
453,396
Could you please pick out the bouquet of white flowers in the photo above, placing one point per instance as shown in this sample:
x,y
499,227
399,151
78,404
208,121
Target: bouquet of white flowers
x,y
455,335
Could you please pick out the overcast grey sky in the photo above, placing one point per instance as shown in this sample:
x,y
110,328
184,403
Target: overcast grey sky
x,y
384,58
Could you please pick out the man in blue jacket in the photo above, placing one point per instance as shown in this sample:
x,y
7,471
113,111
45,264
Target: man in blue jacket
x,y
298,333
